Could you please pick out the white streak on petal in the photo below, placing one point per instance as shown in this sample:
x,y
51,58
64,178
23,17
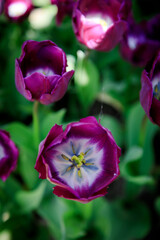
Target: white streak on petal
x,y
2,152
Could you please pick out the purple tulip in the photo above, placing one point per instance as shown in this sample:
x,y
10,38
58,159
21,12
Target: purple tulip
x,y
141,41
82,160
65,7
17,10
8,155
41,72
100,25
150,91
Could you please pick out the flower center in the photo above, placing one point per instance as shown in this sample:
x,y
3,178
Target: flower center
x,y
17,9
156,87
105,22
77,161
156,91
46,72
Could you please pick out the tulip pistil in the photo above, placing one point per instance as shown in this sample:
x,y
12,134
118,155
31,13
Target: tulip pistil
x,y
77,161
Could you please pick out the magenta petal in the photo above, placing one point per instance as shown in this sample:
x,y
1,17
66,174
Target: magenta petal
x,y
59,89
100,25
40,163
62,192
146,93
112,36
39,84
8,155
155,111
19,81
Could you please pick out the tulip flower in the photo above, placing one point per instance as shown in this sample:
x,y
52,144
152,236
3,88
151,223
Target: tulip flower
x,y
81,161
17,10
8,155
65,7
141,41
40,72
100,25
150,90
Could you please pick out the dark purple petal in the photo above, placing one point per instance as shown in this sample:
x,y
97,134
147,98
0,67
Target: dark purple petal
x,y
58,90
65,7
55,132
82,161
155,111
8,155
146,93
150,92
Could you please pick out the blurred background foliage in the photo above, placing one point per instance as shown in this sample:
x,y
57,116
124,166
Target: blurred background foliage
x,y
106,86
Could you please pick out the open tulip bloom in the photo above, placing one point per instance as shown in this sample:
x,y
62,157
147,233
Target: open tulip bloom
x,y
150,90
101,24
17,10
8,155
81,161
41,72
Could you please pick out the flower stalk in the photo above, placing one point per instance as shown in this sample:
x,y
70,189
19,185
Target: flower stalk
x,y
36,135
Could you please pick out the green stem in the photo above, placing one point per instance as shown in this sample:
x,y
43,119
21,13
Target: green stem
x,y
35,124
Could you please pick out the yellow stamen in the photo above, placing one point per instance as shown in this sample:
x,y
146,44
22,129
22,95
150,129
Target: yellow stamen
x,y
79,173
64,157
73,150
89,164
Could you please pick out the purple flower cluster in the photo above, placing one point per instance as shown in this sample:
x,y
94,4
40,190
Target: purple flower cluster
x,y
81,161
8,155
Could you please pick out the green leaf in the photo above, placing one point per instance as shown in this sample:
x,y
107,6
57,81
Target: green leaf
x,y
148,157
22,136
52,210
157,205
134,125
50,120
30,200
129,222
115,127
86,80
130,167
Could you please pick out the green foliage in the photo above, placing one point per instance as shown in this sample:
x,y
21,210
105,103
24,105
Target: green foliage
x,y
86,80
28,208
